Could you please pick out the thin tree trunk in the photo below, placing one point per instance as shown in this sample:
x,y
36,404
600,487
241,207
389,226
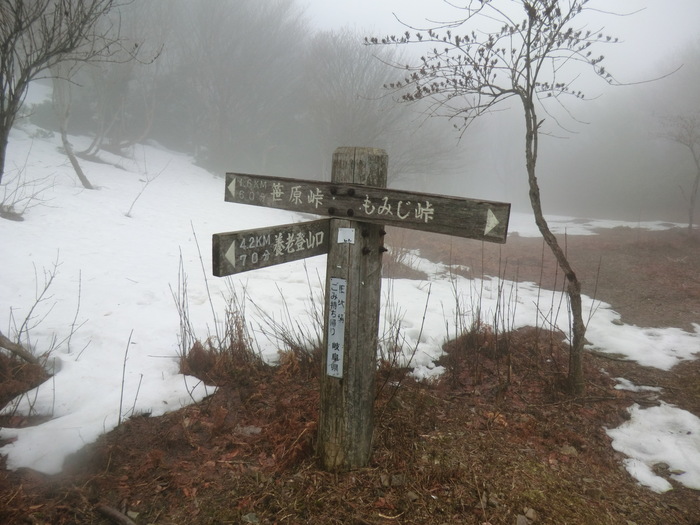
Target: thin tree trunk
x,y
693,199
3,149
73,159
5,127
62,106
694,192
573,288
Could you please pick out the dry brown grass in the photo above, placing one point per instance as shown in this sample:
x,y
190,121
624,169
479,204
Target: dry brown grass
x,y
494,439
454,451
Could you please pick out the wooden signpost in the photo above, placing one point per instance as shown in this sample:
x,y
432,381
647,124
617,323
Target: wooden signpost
x,y
357,205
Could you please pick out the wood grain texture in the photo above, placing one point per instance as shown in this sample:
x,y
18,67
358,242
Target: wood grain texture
x,y
469,218
241,251
346,422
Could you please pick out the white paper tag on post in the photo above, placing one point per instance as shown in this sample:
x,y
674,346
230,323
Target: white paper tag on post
x,y
346,235
336,327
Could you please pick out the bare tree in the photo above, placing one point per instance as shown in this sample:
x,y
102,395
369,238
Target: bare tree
x,y
36,35
685,131
228,71
121,92
62,101
523,50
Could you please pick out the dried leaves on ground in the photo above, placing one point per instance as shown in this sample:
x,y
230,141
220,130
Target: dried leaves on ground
x,y
494,441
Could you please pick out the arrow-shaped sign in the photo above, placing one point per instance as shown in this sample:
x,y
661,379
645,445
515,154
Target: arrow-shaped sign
x,y
492,222
470,218
236,252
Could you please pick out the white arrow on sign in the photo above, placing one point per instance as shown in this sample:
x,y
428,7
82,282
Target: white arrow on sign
x,y
231,254
491,222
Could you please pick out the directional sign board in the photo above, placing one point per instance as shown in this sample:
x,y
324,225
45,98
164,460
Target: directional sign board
x,y
470,218
353,271
236,252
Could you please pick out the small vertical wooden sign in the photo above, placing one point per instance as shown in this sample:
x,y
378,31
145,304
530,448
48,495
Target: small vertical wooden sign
x,y
336,327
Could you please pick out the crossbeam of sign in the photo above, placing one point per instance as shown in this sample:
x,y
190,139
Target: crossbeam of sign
x,y
470,218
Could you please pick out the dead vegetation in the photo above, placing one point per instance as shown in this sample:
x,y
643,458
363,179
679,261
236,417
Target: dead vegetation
x,y
18,376
493,441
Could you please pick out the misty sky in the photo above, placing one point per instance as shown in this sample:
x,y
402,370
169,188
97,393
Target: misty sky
x,y
615,161
661,26
602,157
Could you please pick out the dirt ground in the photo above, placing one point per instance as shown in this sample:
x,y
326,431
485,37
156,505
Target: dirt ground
x,y
652,278
495,441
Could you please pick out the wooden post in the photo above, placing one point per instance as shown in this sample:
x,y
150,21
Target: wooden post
x,y
353,291
355,204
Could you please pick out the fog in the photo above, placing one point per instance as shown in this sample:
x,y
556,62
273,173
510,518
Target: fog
x,y
614,161
274,87
606,156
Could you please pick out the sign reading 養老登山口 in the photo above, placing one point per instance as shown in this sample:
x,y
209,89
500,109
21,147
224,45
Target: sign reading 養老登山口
x,y
241,251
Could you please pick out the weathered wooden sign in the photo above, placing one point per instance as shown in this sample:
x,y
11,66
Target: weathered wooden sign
x,y
235,252
356,204
470,218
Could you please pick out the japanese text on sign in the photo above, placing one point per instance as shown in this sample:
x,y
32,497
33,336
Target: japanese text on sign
x,y
307,195
255,249
235,252
336,327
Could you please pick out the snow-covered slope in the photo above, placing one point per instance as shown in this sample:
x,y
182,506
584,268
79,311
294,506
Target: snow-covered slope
x,y
113,277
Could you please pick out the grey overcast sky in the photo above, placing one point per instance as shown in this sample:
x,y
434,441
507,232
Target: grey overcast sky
x,y
649,36
653,37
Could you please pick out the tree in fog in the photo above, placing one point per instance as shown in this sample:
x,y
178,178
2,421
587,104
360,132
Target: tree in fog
x,y
37,35
62,103
684,130
111,83
234,79
347,105
678,100
122,94
498,51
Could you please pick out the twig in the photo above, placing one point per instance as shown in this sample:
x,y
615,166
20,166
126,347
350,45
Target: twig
x,y
16,201
53,389
180,297
206,283
295,442
138,389
386,517
49,276
114,515
121,395
148,181
77,309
